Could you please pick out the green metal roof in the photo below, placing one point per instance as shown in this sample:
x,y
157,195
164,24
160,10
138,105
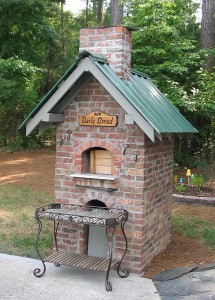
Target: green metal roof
x,y
82,55
139,90
159,112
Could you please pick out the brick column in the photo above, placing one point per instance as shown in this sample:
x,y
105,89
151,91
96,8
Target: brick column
x,y
113,42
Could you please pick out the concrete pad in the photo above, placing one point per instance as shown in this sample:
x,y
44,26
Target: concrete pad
x,y
59,283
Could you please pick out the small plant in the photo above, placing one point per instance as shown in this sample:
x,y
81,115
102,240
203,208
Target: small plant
x,y
175,167
197,181
181,188
175,178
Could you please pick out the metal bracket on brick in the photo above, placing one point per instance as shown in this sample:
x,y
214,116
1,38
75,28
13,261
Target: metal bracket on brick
x,y
69,132
125,147
136,153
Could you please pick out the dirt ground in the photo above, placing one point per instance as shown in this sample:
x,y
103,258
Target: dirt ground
x,y
35,169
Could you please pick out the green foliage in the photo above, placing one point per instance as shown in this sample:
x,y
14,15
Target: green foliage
x,y
197,181
39,41
184,157
201,104
181,188
175,178
21,142
208,172
37,45
24,29
167,48
163,47
19,82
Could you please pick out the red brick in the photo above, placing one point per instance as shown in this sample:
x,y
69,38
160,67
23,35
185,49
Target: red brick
x,y
144,196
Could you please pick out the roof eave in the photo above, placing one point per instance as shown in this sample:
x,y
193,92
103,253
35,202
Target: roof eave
x,y
87,65
96,65
78,59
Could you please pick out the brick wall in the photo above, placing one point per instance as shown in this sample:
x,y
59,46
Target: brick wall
x,y
143,187
113,42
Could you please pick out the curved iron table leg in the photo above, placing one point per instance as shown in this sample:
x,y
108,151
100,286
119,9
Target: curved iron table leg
x,y
55,234
108,284
38,272
56,224
125,272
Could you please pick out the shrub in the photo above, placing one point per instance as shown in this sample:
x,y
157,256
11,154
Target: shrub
x,y
181,188
197,181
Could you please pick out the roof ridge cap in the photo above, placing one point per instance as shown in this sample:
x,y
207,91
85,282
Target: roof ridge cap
x,y
94,55
135,72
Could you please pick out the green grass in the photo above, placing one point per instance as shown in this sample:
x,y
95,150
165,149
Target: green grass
x,y
18,228
195,228
16,198
209,236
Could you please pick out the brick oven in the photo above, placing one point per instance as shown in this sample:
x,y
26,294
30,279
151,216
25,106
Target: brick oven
x,y
114,147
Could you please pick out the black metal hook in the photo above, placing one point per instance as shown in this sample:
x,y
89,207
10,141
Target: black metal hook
x,y
69,132
125,147
136,154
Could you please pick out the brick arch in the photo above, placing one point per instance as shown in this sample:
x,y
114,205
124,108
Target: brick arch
x,y
86,145
101,196
96,143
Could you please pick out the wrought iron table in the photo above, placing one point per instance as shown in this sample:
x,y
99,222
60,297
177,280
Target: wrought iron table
x,y
89,215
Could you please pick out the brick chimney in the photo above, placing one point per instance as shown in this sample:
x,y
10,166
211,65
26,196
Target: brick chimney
x,y
112,42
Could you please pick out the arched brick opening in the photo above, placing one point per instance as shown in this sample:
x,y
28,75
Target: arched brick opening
x,y
96,203
99,196
81,156
87,165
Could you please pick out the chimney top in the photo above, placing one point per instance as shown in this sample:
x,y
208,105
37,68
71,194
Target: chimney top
x,y
113,42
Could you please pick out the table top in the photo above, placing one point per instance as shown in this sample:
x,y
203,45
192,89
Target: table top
x,y
82,214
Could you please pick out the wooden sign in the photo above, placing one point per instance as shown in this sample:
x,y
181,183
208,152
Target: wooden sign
x,y
97,118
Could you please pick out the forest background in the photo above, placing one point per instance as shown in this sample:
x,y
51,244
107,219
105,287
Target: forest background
x,y
39,41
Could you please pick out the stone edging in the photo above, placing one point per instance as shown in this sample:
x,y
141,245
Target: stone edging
x,y
178,272
193,199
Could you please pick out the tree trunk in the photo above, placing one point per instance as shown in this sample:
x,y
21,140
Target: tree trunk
x,y
94,8
207,30
86,15
62,29
116,12
100,9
